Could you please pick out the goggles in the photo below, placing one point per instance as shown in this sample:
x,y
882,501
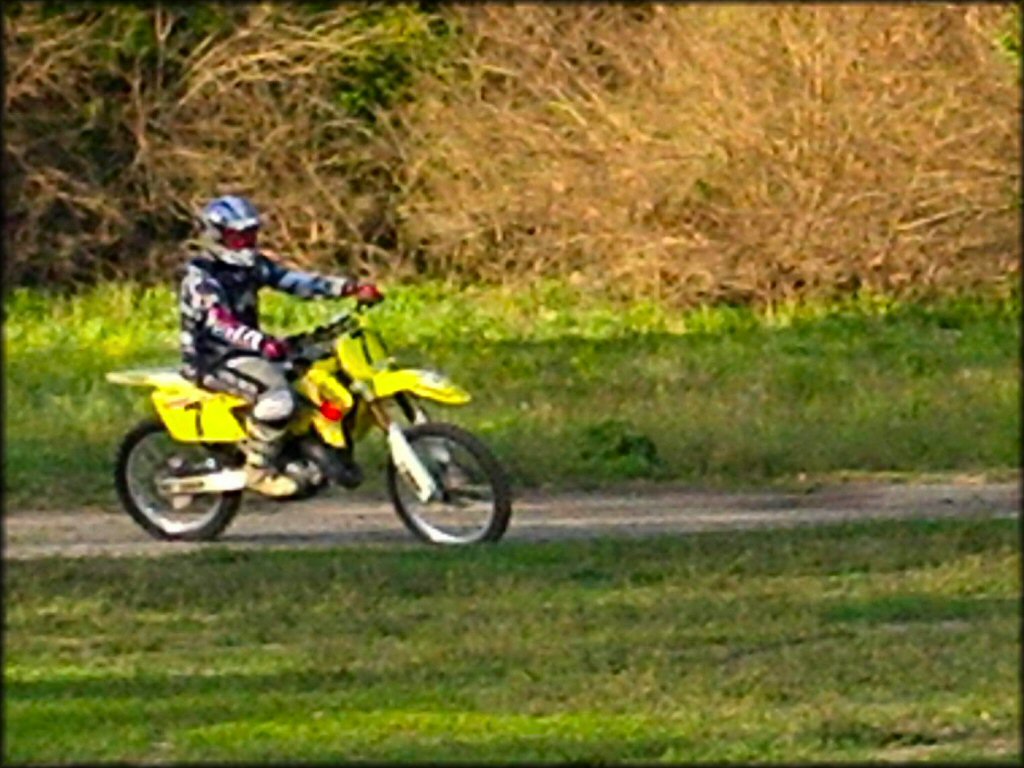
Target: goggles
x,y
240,239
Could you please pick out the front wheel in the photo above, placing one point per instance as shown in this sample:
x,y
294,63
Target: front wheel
x,y
475,502
148,454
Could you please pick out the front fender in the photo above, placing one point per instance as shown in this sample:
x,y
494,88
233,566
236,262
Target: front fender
x,y
429,385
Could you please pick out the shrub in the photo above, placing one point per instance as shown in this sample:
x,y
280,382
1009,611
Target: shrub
x,y
721,153
122,120
613,448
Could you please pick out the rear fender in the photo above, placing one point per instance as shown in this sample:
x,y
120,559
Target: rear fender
x,y
190,413
161,378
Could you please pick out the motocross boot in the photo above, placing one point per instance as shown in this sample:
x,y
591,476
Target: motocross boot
x,y
260,450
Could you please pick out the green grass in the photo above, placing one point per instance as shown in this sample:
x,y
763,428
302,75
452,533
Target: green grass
x,y
575,390
895,640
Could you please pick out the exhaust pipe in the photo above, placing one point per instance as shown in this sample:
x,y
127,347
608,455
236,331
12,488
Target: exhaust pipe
x,y
211,482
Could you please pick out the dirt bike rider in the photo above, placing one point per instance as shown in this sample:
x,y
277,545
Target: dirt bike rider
x,y
222,346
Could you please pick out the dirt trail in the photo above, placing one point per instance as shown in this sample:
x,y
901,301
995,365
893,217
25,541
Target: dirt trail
x,y
338,520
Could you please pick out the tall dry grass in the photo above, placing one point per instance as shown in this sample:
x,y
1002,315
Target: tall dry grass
x,y
251,108
723,152
693,153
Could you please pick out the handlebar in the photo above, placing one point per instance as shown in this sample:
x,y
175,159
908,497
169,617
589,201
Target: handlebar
x,y
324,332
299,343
299,358
300,353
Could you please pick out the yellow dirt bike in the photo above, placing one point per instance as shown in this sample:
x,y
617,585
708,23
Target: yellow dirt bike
x,y
180,475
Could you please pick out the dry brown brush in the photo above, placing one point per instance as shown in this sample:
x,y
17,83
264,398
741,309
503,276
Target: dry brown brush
x,y
723,152
115,137
692,153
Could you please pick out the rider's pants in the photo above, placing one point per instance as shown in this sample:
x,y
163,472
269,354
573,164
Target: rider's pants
x,y
262,383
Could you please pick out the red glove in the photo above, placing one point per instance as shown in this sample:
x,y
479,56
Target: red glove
x,y
365,293
274,349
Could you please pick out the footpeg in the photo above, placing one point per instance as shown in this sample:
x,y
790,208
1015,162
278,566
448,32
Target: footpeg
x,y
340,469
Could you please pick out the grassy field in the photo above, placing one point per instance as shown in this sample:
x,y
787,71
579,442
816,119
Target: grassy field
x,y
895,640
572,390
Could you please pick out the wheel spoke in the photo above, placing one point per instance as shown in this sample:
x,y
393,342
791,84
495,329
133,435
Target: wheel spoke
x,y
470,492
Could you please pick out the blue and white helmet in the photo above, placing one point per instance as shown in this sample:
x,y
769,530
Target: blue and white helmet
x,y
230,226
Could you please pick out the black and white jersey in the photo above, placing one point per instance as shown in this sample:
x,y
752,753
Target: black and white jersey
x,y
219,307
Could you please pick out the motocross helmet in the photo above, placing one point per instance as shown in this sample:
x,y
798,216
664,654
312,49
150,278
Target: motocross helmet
x,y
230,226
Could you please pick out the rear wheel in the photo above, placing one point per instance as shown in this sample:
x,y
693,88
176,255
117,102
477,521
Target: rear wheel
x,y
149,454
476,499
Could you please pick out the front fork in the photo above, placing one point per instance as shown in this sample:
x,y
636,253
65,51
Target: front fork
x,y
405,458
411,409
